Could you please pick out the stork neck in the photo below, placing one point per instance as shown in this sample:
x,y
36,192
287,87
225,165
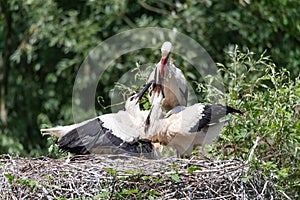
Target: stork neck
x,y
161,69
158,128
158,125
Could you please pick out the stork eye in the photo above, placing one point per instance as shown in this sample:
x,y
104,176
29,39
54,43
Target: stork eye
x,y
131,98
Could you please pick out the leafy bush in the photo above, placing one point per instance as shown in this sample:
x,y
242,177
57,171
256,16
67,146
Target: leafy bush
x,y
268,135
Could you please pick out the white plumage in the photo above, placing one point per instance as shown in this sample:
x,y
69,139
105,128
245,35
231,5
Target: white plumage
x,y
172,80
110,133
126,124
195,125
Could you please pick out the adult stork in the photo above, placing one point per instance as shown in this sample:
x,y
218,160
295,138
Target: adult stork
x,y
172,80
113,133
194,125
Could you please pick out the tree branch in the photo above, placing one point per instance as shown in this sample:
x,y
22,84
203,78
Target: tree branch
x,y
6,62
153,9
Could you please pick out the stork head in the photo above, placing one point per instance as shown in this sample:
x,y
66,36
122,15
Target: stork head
x,y
166,49
132,105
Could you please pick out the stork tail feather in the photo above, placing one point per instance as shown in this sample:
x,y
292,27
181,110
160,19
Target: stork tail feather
x,y
56,131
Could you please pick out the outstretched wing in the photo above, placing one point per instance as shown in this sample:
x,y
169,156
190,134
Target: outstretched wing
x,y
82,139
92,137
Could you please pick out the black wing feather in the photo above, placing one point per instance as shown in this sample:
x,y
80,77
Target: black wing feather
x,y
92,137
212,114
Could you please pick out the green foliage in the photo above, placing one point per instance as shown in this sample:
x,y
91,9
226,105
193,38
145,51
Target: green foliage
x,y
43,44
27,182
53,149
259,25
24,181
123,193
268,135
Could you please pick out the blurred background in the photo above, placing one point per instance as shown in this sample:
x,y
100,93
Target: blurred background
x,y
43,43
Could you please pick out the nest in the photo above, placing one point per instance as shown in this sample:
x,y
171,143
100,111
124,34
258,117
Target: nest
x,y
120,177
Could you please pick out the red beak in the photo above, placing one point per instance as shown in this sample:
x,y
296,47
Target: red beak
x,y
162,67
163,63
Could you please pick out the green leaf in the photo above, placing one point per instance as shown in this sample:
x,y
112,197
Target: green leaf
x,y
193,168
103,195
146,105
122,178
10,177
124,191
158,180
146,178
174,165
110,170
153,192
269,165
23,181
284,172
246,178
130,171
175,177
32,183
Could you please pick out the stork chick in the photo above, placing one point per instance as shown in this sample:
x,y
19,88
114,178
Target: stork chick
x,y
195,125
113,133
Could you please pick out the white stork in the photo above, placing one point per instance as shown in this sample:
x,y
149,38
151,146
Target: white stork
x,y
174,84
124,132
108,134
194,125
